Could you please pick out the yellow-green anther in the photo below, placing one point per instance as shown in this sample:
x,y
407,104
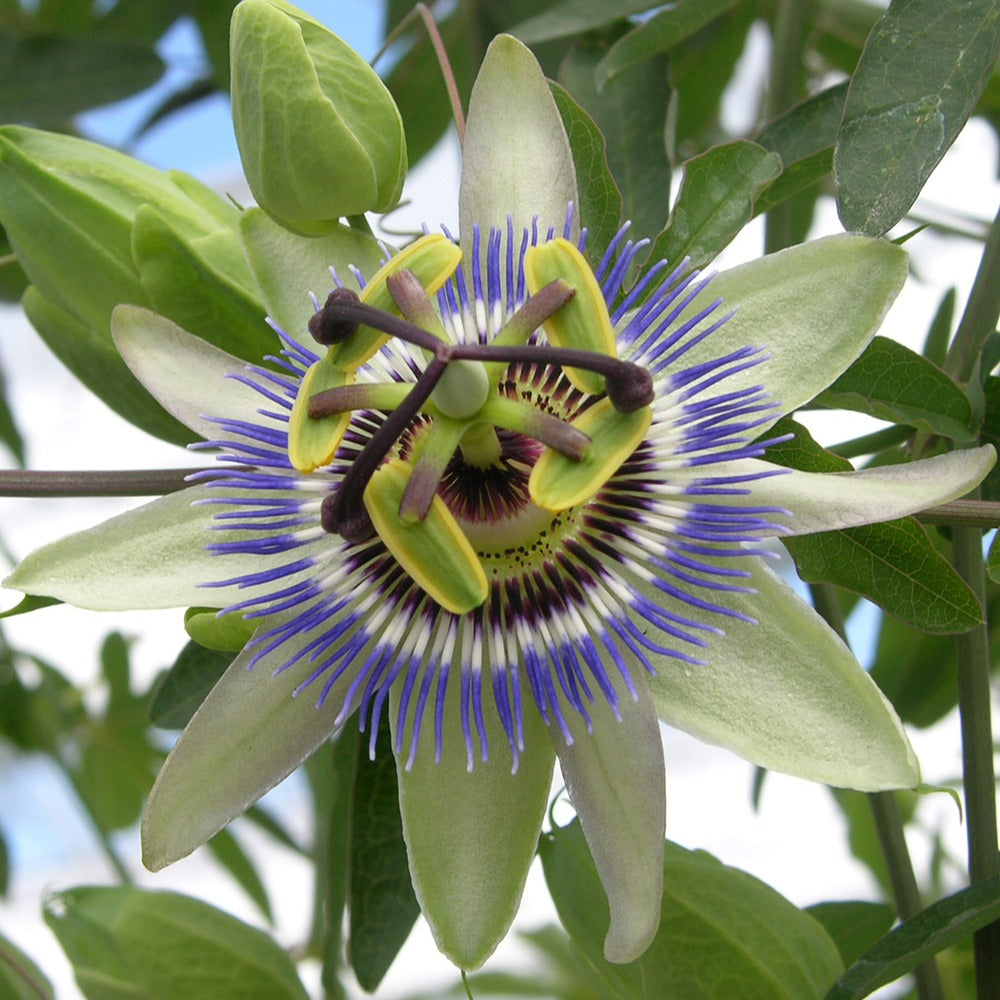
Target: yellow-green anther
x,y
432,259
433,551
583,322
558,482
312,442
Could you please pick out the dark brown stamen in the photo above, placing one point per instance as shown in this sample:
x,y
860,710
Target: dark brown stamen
x,y
329,326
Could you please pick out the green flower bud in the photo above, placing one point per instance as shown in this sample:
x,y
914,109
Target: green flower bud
x,y
319,135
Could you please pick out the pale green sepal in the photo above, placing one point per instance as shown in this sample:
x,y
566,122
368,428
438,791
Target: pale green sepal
x,y
793,305
826,501
582,323
616,781
558,483
187,375
433,551
471,835
287,267
516,160
249,734
150,557
313,442
786,694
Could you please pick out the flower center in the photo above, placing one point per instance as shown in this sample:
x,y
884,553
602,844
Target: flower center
x,y
489,470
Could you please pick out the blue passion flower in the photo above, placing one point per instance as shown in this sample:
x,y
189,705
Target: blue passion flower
x,y
516,504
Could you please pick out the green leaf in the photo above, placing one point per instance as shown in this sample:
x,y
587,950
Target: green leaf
x,y
47,80
915,940
716,201
182,688
10,434
92,358
854,926
227,850
919,77
330,772
29,603
20,977
807,128
125,942
631,112
382,905
803,137
894,565
201,283
759,946
600,199
574,17
662,32
993,559
801,450
891,382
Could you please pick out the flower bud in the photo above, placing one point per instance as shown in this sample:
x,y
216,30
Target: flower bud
x,y
319,135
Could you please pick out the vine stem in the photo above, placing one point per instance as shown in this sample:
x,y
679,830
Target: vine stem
x,y
784,81
422,11
979,778
92,483
979,320
888,823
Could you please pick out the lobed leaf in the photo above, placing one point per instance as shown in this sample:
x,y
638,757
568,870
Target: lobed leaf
x,y
716,201
631,112
915,940
891,382
919,77
722,932
124,941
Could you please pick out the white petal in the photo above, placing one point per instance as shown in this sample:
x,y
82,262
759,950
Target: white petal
x,y
787,694
793,305
616,782
249,734
150,557
471,835
187,375
516,160
824,501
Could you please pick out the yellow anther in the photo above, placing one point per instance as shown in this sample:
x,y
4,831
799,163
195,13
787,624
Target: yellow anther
x,y
558,483
583,322
433,551
313,442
